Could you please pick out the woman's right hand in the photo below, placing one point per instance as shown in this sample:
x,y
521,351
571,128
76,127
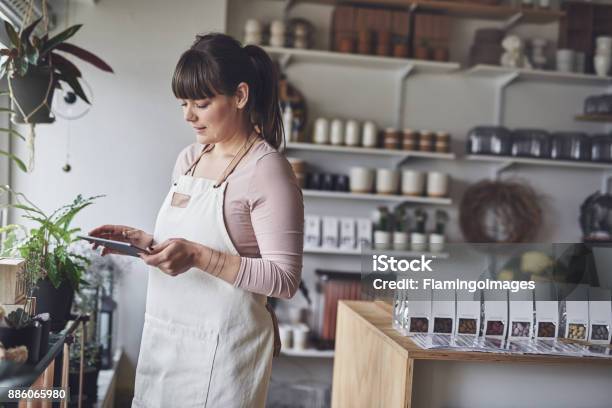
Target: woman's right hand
x,y
121,233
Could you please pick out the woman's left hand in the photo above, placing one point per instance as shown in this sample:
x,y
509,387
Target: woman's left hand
x,y
173,256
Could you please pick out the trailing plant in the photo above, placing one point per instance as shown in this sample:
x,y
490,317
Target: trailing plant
x,y
27,54
46,248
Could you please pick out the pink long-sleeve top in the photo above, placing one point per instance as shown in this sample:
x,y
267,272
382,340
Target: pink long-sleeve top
x,y
264,215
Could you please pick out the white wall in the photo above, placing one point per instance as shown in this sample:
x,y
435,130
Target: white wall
x,y
126,146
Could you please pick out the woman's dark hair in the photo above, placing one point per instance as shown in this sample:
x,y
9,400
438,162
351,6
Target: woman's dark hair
x,y
216,63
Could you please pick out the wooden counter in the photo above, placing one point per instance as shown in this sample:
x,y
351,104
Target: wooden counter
x,y
375,366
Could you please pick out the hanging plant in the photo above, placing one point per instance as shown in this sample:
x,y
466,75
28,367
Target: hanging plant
x,y
35,67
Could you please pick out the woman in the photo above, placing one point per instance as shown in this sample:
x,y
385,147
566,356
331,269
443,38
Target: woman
x,y
228,234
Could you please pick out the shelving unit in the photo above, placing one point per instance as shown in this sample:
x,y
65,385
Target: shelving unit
x,y
457,9
382,198
493,71
595,118
359,60
369,151
357,252
539,162
308,353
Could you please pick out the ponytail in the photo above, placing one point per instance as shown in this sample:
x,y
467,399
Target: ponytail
x,y
265,108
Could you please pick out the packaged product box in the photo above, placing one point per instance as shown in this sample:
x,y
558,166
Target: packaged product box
x,y
331,232
576,312
348,233
312,231
443,312
417,312
600,315
495,313
520,325
546,311
468,308
364,233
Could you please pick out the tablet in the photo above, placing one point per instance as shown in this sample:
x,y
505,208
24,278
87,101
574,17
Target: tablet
x,y
123,247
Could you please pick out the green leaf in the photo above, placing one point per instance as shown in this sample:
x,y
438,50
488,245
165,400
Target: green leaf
x,y
11,131
73,82
16,159
27,208
85,56
64,66
31,54
58,39
25,34
13,36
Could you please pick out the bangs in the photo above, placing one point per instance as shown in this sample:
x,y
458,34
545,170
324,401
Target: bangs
x,y
194,77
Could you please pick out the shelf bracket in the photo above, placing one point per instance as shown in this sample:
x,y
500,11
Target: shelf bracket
x,y
512,21
500,88
287,8
402,75
605,182
284,61
498,170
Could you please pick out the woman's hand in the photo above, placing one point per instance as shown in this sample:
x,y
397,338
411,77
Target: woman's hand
x,y
121,233
175,256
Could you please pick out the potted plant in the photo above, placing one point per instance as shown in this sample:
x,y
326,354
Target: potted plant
x,y
19,329
52,271
34,67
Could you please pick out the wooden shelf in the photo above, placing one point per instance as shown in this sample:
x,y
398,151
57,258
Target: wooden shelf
x,y
460,9
539,162
595,118
357,252
363,61
382,198
369,151
494,71
307,353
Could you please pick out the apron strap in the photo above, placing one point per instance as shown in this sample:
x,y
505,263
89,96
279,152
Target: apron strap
x,y
207,148
236,160
233,163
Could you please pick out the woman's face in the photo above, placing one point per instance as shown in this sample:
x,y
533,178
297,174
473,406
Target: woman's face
x,y
212,119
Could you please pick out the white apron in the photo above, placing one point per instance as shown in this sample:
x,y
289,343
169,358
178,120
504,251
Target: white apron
x,y
205,343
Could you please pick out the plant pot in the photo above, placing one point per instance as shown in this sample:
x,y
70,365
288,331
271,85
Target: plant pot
x,y
90,387
55,301
29,92
28,336
421,53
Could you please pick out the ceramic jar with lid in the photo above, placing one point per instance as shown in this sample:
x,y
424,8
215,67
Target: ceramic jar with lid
x,y
426,141
570,146
530,143
391,138
442,142
370,134
410,139
489,140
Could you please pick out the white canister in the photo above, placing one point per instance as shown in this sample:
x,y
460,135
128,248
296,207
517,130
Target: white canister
x,y
295,315
277,27
437,184
401,241
604,44
253,38
418,241
321,131
336,132
413,183
351,133
361,179
602,64
370,134
382,239
285,332
565,60
300,336
436,242
277,40
252,26
387,181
